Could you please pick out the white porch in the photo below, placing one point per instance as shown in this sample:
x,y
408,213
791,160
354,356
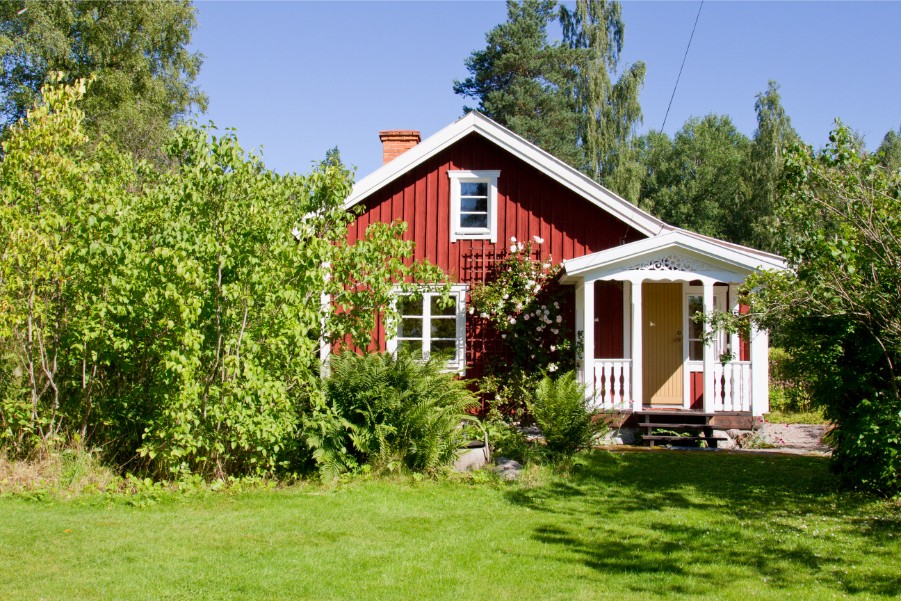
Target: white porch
x,y
652,354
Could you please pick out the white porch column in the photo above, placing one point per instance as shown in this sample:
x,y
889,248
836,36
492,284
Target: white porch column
x,y
637,373
760,371
734,340
709,359
588,337
580,327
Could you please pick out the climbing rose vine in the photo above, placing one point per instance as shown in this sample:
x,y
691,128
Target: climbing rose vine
x,y
525,308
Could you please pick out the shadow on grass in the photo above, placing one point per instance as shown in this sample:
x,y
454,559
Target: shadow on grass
x,y
717,519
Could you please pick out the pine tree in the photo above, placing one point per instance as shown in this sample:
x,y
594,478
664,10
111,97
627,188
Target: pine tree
x,y
560,95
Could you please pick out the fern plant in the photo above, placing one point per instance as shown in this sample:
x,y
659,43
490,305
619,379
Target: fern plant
x,y
391,412
561,410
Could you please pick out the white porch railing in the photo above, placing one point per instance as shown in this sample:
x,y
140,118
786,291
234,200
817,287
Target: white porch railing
x,y
732,386
613,383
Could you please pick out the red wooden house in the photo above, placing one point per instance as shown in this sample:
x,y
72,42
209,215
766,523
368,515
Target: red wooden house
x,y
467,190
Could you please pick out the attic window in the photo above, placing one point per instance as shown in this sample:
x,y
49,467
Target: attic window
x,y
473,205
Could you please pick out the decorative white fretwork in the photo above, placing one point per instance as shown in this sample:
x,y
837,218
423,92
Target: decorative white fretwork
x,y
670,263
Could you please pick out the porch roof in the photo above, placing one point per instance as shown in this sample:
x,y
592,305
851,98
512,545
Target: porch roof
x,y
675,255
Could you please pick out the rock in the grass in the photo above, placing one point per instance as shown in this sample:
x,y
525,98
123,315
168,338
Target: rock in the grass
x,y
619,436
729,443
508,469
531,433
472,459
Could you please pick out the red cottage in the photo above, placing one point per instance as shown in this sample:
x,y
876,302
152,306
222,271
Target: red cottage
x,y
467,190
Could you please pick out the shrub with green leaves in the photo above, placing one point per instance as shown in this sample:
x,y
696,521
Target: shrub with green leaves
x,y
390,412
174,319
561,409
836,309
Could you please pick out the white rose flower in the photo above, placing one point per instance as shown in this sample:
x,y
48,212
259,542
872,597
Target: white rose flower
x,y
552,367
559,319
538,239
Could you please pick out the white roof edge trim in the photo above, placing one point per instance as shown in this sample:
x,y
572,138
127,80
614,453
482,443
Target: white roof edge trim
x,y
536,157
733,245
710,247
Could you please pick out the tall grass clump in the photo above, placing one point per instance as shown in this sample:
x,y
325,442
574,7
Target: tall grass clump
x,y
392,413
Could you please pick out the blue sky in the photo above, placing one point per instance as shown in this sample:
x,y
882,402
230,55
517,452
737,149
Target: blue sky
x,y
297,78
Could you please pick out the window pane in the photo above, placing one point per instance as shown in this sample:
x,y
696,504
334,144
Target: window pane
x,y
473,189
695,350
444,328
474,204
450,309
446,349
413,347
409,305
474,220
695,329
410,328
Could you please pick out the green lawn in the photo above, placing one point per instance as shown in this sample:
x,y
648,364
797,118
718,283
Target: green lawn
x,y
631,525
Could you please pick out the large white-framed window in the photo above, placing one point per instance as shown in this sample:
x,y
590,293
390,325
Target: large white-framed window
x,y
473,205
427,326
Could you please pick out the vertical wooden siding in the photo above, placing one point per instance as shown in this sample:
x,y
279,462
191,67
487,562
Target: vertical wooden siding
x,y
608,326
529,204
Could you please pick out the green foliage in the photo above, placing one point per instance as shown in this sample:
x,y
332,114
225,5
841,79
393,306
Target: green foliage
x,y
561,409
889,151
837,310
695,181
561,95
175,319
712,179
789,390
756,223
137,53
506,439
390,412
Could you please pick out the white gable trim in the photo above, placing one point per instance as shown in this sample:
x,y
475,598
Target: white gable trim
x,y
519,147
662,254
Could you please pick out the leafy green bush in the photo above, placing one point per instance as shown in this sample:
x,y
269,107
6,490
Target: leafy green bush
x,y
789,389
561,410
173,318
389,412
506,439
836,309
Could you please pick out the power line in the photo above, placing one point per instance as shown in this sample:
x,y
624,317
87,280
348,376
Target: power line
x,y
683,65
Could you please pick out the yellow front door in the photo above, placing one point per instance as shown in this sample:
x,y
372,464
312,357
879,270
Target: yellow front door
x,y
662,344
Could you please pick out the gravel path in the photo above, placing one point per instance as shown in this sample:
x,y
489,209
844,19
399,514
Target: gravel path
x,y
795,438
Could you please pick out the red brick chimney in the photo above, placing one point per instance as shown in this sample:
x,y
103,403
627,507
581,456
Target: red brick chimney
x,y
395,142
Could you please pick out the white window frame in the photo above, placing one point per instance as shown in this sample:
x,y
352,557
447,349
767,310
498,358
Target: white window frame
x,y
457,178
458,291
